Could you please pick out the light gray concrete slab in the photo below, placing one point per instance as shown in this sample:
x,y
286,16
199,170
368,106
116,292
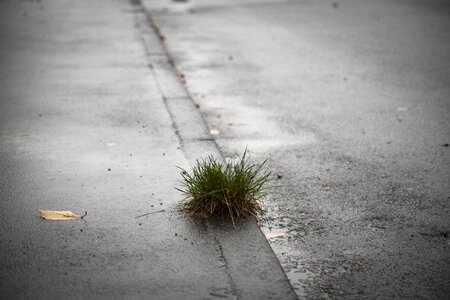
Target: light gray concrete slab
x,y
183,112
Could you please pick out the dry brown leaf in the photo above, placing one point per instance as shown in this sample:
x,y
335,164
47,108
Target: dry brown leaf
x,y
179,74
60,215
274,234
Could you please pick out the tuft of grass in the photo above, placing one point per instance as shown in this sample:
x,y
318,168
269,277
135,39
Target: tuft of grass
x,y
224,189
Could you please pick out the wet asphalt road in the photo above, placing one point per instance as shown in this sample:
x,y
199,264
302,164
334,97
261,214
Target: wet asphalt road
x,y
350,102
93,118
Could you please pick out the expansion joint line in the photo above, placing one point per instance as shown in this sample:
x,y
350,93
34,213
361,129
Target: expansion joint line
x,y
152,69
223,260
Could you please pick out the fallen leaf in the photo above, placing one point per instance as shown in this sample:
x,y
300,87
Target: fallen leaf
x,y
179,74
274,234
60,215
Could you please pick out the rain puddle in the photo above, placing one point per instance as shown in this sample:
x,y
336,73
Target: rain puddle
x,y
280,235
298,279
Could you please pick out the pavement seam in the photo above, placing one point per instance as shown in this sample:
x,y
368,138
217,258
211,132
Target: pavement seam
x,y
185,97
173,117
223,259
152,67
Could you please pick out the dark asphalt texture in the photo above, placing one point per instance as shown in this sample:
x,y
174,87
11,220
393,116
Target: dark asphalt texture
x,y
350,102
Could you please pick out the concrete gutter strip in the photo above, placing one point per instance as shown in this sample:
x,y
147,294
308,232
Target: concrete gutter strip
x,y
252,267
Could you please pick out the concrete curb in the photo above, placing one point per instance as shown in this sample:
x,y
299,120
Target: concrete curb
x,y
253,270
188,123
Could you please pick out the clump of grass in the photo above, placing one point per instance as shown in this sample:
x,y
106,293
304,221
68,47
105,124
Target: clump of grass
x,y
224,189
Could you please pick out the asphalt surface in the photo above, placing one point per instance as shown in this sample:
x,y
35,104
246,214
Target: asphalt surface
x,y
93,118
350,103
